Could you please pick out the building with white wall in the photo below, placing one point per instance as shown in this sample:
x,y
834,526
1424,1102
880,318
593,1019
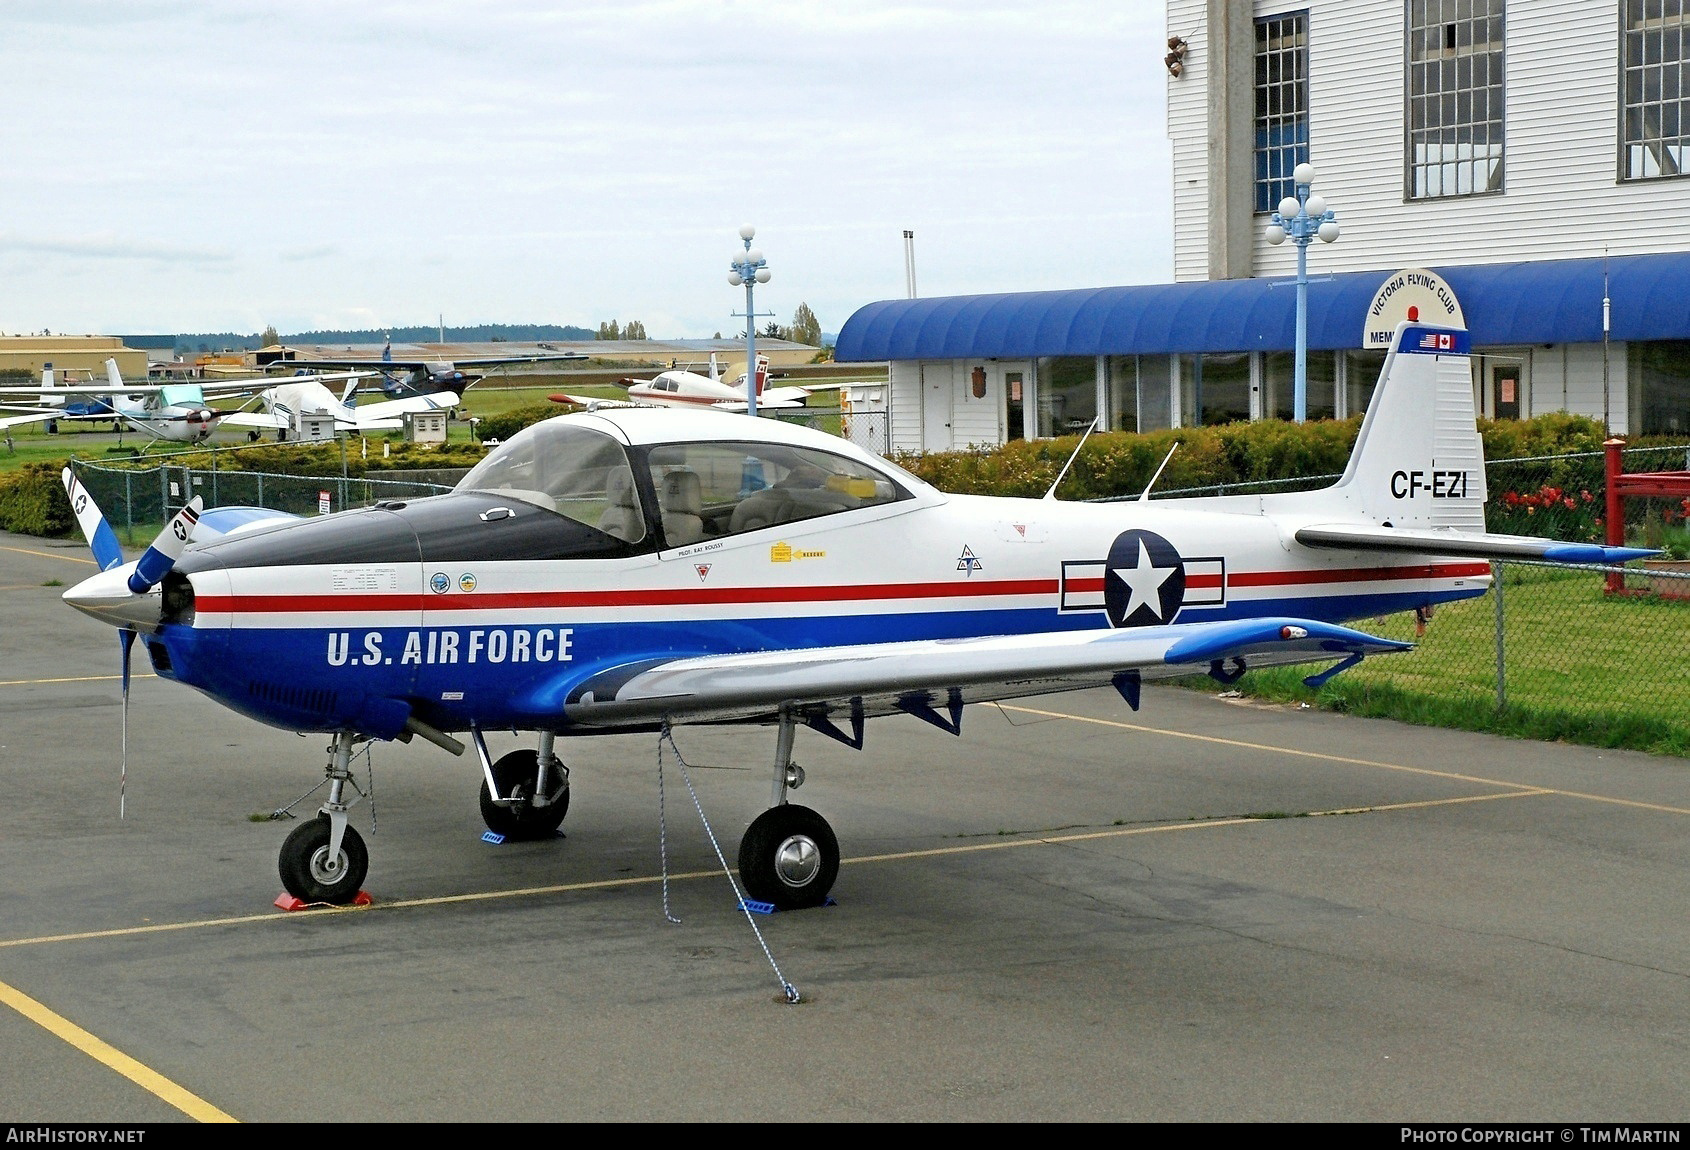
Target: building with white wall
x,y
1531,153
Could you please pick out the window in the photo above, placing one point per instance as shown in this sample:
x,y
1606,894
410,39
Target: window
x,y
1654,128
708,490
1282,105
1279,378
1067,394
1660,382
1455,97
574,471
1215,388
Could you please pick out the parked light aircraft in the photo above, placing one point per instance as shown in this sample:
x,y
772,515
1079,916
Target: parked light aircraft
x,y
403,377
178,412
681,388
629,569
290,406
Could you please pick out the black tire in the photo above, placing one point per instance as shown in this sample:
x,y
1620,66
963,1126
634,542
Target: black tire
x,y
307,872
789,857
519,821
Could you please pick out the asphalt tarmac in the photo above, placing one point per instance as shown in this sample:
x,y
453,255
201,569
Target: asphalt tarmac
x,y
1205,910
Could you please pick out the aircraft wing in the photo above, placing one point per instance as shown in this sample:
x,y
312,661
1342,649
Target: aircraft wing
x,y
258,419
371,414
32,417
1448,541
885,678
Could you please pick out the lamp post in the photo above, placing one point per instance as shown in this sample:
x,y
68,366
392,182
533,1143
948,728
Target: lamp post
x,y
749,268
1301,218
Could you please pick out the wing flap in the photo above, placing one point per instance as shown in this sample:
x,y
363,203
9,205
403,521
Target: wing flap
x,y
1466,544
881,678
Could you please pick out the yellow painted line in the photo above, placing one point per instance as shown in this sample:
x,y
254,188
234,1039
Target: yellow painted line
x,y
1330,758
1004,843
103,1052
72,679
49,555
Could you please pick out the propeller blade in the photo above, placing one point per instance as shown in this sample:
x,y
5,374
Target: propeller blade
x,y
101,539
126,641
155,563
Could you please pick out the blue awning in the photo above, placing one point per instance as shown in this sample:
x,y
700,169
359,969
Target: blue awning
x,y
1546,301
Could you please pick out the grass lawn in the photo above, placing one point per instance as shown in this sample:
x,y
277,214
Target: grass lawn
x,y
1580,665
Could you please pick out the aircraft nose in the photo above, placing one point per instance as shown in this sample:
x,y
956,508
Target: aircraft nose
x,y
107,597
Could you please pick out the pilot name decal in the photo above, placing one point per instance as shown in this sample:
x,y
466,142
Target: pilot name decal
x,y
787,553
477,645
1143,582
1437,484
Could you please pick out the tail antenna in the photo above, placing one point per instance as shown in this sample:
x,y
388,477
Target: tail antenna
x,y
1051,494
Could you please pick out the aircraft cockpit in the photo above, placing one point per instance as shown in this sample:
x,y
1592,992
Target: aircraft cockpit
x,y
676,494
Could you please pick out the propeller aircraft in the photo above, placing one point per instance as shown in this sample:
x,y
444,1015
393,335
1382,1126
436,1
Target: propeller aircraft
x,y
424,376
174,412
688,389
290,407
628,569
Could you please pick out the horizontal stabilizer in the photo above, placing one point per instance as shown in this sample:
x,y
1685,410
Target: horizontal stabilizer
x,y
1467,544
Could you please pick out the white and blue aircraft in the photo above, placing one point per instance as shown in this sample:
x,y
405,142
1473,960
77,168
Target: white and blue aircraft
x,y
633,568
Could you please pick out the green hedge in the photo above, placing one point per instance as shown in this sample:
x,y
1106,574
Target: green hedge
x,y
33,501
508,423
1109,465
1119,464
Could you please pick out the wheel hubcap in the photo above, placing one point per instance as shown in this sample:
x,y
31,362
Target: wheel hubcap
x,y
326,870
798,860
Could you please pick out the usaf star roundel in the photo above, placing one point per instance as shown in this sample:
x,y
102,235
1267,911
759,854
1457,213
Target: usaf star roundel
x,y
1143,580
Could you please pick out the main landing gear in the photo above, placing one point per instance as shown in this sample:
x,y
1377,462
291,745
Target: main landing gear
x,y
789,856
325,860
525,795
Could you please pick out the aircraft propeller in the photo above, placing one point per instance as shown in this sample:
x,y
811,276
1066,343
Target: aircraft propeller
x,y
125,595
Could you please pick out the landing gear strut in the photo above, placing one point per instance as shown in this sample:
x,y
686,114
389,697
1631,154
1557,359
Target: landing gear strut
x,y
789,856
525,795
325,860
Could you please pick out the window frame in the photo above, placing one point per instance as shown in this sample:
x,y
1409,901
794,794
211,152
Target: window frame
x,y
1456,95
1267,189
1622,63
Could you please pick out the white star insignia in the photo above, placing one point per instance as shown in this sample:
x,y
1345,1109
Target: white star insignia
x,y
1145,580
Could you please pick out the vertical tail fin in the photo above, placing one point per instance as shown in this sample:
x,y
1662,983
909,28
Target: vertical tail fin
x,y
762,372
1418,461
113,375
715,371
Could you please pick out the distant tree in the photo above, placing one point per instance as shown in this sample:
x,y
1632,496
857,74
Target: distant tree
x,y
610,330
634,330
806,328
718,335
270,338
774,331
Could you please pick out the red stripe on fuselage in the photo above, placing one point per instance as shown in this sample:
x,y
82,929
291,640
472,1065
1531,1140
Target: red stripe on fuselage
x,y
695,596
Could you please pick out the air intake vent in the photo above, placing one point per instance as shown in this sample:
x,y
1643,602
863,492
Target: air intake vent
x,y
312,701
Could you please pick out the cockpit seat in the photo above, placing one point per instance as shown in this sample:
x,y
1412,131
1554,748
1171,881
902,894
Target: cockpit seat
x,y
682,502
621,516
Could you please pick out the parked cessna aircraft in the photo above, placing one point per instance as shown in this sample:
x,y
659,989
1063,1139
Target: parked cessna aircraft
x,y
680,388
629,569
402,377
291,408
178,412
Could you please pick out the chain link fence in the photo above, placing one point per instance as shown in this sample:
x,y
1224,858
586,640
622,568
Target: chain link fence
x,y
1591,654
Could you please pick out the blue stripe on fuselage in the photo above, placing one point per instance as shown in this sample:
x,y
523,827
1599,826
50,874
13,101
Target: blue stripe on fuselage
x,y
325,678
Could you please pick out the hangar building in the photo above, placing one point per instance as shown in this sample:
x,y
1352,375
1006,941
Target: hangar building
x,y
1531,156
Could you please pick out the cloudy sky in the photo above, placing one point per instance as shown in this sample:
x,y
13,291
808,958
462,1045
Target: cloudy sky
x,y
174,166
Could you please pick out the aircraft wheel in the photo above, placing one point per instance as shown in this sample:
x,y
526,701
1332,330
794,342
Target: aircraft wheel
x,y
520,821
310,875
789,857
